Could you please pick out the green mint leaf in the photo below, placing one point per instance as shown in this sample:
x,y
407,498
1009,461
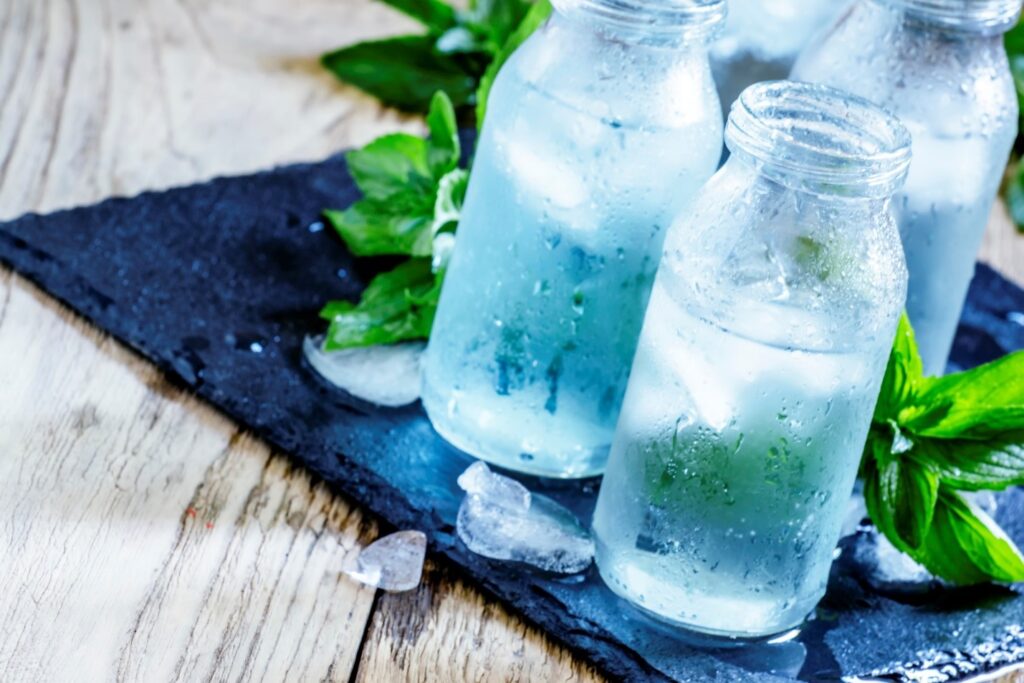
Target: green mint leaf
x,y
537,15
908,490
391,165
403,72
881,514
397,306
976,404
963,545
394,227
973,465
443,149
405,182
967,547
902,374
435,15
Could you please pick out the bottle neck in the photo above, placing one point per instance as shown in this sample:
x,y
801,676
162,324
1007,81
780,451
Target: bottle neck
x,y
964,19
657,23
819,140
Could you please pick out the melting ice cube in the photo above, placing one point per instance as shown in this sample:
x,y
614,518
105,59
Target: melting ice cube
x,y
500,519
493,489
385,375
393,563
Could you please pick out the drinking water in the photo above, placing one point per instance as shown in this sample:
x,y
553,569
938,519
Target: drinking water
x,y
575,178
732,441
943,214
758,368
940,65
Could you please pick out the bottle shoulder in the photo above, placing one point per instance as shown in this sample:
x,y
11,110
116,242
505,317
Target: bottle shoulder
x,y
749,242
574,67
951,86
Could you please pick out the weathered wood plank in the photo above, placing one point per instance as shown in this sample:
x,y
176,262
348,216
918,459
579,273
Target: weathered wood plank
x,y
107,572
444,631
143,538
1003,247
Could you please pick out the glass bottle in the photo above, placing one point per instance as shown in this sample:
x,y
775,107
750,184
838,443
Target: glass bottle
x,y
758,368
939,65
600,128
761,39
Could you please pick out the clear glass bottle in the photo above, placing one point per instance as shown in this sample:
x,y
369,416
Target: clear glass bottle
x,y
939,65
600,128
758,368
762,38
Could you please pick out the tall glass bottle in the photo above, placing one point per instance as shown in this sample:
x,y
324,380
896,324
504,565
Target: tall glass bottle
x,y
939,65
758,368
600,128
762,38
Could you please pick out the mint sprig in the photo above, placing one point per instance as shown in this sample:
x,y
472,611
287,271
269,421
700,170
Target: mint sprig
x,y
934,437
452,55
412,198
412,194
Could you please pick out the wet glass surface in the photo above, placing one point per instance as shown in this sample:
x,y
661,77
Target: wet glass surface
x,y
219,283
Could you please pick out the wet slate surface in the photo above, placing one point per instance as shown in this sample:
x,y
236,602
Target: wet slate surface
x,y
218,283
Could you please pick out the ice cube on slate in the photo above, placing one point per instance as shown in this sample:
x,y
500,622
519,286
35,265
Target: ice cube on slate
x,y
393,563
386,375
500,519
478,480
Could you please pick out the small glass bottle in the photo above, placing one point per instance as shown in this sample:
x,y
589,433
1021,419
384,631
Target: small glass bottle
x,y
600,128
758,368
939,65
762,38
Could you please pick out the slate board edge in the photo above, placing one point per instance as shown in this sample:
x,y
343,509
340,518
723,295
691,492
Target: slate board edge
x,y
75,292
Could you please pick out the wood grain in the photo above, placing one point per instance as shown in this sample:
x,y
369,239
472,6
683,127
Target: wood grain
x,y
142,538
424,635
1003,247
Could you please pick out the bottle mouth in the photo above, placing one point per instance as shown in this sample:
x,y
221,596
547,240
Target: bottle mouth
x,y
983,16
819,139
653,18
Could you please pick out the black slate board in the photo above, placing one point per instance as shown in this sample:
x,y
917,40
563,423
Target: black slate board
x,y
218,283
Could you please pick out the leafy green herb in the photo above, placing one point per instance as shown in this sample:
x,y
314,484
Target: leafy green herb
x,y
412,194
452,55
403,72
399,176
932,437
397,306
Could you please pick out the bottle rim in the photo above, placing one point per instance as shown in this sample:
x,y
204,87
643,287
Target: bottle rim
x,y
655,18
983,16
820,139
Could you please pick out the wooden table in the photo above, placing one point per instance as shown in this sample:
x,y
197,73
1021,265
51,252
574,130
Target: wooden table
x,y
143,536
